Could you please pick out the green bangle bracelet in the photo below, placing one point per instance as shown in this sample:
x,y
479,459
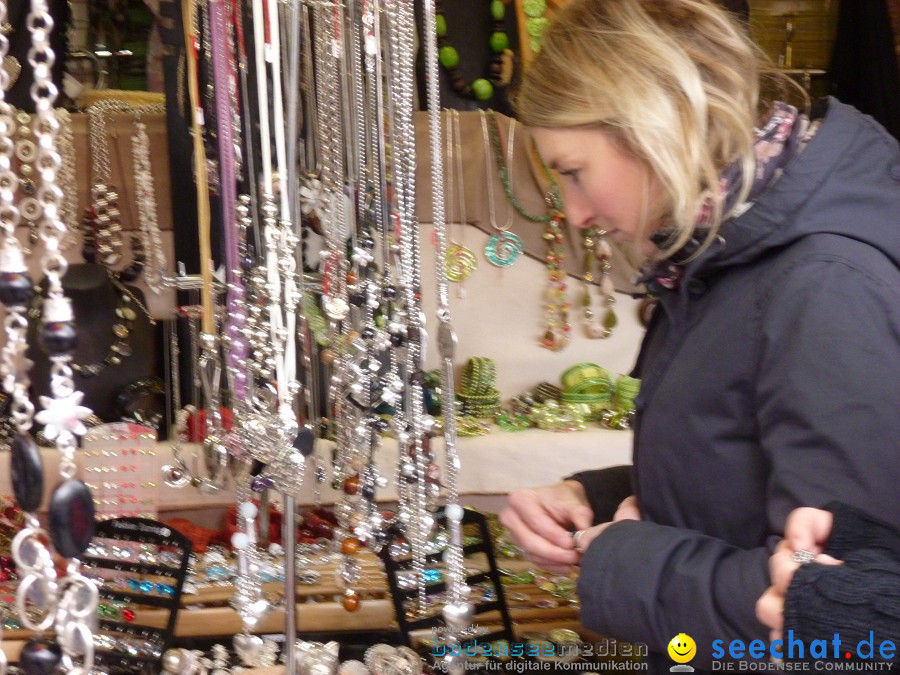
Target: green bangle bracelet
x,y
598,387
580,372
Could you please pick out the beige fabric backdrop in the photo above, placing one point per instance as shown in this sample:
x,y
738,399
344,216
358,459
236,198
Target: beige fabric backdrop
x,y
529,188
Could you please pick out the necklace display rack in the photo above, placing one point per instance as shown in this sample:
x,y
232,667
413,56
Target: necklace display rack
x,y
263,327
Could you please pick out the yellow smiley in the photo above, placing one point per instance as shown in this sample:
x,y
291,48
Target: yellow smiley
x,y
682,648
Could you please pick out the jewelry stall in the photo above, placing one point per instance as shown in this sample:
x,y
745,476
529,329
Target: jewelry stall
x,y
275,342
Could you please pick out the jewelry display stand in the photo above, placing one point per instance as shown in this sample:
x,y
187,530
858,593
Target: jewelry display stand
x,y
120,468
145,564
113,314
494,600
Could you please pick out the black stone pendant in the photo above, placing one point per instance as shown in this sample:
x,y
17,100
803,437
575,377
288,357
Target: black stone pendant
x,y
27,472
71,518
40,657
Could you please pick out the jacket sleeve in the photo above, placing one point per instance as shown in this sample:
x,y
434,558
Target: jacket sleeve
x,y
826,393
645,583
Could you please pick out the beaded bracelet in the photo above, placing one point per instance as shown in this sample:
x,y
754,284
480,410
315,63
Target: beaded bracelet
x,y
553,416
479,376
546,392
571,377
600,387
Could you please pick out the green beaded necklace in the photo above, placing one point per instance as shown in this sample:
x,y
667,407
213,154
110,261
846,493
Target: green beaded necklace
x,y
553,197
481,88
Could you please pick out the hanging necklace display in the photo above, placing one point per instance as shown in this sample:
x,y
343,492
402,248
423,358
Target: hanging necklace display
x,y
481,88
557,329
457,611
43,598
29,181
104,210
504,247
145,195
67,178
460,261
552,198
596,246
120,347
16,289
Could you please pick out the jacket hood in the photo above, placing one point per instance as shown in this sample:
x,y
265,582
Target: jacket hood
x,y
846,181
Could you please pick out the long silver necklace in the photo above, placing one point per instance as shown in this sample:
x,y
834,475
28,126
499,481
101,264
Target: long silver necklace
x,y
43,599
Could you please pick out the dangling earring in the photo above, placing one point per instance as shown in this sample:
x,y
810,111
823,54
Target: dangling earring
x,y
596,245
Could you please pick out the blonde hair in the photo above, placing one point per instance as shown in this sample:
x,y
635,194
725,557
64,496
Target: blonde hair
x,y
677,82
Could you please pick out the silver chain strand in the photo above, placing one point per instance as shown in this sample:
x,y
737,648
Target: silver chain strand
x,y
104,198
62,413
456,606
145,196
14,366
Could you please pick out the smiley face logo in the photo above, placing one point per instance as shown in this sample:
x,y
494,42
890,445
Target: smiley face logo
x,y
682,648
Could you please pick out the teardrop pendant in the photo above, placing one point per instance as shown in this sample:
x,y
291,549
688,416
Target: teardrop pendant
x,y
27,472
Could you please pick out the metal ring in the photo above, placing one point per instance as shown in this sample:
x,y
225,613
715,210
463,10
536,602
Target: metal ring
x,y
804,557
576,539
87,640
22,594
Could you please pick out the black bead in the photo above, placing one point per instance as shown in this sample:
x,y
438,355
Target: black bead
x,y
389,292
381,424
366,242
89,253
40,657
357,298
305,441
16,289
71,518
130,273
368,492
58,337
417,377
27,472
397,340
367,333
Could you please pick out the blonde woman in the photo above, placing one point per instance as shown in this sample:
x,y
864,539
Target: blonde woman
x,y
771,368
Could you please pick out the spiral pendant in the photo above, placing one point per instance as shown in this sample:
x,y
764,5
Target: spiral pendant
x,y
460,263
504,249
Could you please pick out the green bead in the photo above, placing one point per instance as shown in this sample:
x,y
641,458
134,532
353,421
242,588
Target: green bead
x,y
534,8
483,90
440,25
536,27
498,10
610,321
499,41
449,57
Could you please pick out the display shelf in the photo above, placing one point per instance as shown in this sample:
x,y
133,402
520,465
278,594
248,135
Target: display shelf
x,y
538,457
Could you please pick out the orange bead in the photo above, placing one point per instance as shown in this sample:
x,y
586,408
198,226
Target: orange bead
x,y
351,485
350,545
350,601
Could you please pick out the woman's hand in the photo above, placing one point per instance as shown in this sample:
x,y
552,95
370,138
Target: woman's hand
x,y
628,510
541,521
807,530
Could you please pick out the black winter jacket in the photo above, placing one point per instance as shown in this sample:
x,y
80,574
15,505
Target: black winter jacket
x,y
770,380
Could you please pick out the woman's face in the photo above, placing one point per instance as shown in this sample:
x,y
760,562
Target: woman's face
x,y
602,184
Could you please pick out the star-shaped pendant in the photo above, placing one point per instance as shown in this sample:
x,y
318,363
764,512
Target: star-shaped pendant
x,y
62,415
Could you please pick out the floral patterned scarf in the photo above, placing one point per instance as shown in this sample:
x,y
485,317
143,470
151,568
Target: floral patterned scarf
x,y
783,135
